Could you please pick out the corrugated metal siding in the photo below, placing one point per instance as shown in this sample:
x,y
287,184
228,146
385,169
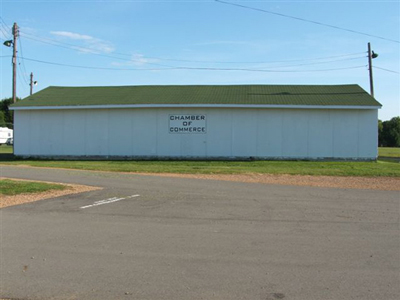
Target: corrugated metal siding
x,y
231,133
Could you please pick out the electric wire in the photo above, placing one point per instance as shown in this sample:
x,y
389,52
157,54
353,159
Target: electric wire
x,y
318,63
22,72
5,24
255,62
21,60
190,68
20,75
90,51
4,32
307,20
387,70
271,71
79,49
94,68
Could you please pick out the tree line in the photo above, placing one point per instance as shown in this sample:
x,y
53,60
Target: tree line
x,y
388,131
6,115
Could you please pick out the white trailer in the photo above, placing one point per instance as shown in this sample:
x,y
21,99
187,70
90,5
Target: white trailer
x,y
5,134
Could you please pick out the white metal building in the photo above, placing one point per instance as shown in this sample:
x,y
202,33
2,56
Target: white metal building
x,y
198,122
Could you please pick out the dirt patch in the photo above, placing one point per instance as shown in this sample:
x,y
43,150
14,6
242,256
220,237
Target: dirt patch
x,y
26,198
370,183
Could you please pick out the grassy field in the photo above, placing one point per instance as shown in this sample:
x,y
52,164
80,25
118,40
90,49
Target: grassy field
x,y
380,168
6,149
12,187
389,152
390,167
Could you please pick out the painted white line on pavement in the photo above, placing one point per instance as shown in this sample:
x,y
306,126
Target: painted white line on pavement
x,y
110,200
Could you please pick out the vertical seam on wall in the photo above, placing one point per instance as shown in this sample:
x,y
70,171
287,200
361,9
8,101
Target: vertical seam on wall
x,y
358,134
257,130
282,130
85,130
29,139
157,120
108,132
63,130
308,134
205,112
333,133
131,130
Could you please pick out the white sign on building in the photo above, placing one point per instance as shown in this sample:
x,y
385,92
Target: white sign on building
x,y
187,124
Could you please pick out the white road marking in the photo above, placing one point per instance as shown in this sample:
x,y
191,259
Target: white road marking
x,y
110,200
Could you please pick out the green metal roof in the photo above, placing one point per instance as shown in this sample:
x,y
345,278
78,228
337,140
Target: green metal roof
x,y
320,95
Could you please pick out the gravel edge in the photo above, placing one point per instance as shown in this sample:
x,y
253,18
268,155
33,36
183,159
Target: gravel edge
x,y
368,183
6,201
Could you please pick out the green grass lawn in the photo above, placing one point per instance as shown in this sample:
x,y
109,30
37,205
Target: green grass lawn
x,y
380,168
388,167
6,149
13,187
389,152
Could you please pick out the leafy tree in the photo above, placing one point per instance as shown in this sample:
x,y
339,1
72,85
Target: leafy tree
x,y
389,132
2,121
380,133
392,132
8,115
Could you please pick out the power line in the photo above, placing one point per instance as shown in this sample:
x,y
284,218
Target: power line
x,y
90,51
5,33
190,68
22,72
318,63
306,20
21,75
271,71
2,21
387,70
93,68
256,62
79,49
5,29
22,56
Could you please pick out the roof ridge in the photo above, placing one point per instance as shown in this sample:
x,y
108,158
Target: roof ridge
x,y
246,94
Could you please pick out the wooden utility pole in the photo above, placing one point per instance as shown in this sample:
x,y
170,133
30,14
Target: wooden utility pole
x,y
371,79
31,83
14,61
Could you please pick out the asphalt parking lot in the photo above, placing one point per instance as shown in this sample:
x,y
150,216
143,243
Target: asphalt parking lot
x,y
149,237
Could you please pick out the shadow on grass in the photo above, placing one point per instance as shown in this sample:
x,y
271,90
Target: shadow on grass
x,y
389,159
7,157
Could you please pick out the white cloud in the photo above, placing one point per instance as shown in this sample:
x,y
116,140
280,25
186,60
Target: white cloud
x,y
89,44
136,60
72,35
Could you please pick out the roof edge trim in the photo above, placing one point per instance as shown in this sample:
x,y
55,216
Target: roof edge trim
x,y
194,106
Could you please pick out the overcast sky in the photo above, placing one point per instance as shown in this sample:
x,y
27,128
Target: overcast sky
x,y
128,42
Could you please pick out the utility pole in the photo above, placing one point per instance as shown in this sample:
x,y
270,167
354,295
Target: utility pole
x,y
14,61
371,55
31,83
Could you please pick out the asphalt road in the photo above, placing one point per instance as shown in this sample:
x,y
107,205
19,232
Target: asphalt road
x,y
173,238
